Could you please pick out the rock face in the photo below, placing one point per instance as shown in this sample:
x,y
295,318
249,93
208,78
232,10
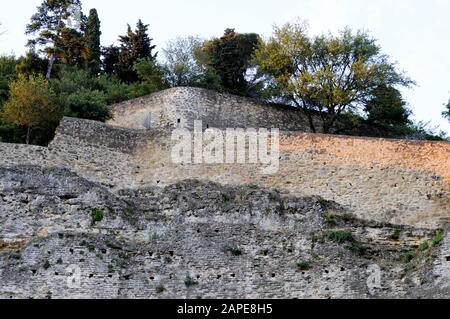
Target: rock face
x,y
66,237
104,211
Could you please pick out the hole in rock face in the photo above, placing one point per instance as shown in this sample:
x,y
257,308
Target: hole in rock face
x,y
233,275
447,258
91,275
219,276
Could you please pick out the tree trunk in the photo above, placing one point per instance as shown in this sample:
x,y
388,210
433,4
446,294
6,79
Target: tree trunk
x,y
50,67
28,134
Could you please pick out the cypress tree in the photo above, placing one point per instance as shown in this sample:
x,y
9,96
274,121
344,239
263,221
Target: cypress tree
x,y
92,38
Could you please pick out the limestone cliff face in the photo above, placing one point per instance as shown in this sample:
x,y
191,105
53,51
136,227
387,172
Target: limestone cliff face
x,y
194,239
104,212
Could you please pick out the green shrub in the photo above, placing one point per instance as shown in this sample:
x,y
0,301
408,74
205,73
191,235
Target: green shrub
x,y
396,234
97,216
438,238
408,257
330,219
234,250
357,248
304,265
340,236
424,245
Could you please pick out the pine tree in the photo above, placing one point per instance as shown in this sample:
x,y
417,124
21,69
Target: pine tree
x,y
53,19
92,38
134,46
141,42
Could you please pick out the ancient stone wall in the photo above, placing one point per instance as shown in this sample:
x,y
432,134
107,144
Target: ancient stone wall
x,y
386,180
179,107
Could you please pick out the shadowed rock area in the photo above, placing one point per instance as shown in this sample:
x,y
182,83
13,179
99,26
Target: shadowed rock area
x,y
62,236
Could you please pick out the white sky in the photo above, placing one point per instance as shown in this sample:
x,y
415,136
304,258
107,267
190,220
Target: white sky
x,y
415,33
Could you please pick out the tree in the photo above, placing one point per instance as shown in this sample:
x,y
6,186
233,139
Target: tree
x,y
54,19
447,112
134,46
325,76
387,107
182,66
7,75
31,104
79,94
31,63
110,61
231,59
92,38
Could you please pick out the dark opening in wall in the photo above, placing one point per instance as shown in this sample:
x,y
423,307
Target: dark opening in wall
x,y
447,258
207,125
179,121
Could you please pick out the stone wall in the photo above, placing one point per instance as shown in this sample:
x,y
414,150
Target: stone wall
x,y
179,107
386,180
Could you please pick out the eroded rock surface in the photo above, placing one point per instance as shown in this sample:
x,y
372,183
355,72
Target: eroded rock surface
x,y
62,236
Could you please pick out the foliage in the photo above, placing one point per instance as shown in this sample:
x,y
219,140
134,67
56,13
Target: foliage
x,y
86,104
387,107
134,46
446,113
97,216
339,236
437,238
7,74
230,58
31,104
326,75
31,63
92,38
55,27
151,74
304,265
182,67
234,250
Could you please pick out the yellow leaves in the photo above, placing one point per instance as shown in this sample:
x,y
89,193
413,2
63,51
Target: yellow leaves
x,y
31,102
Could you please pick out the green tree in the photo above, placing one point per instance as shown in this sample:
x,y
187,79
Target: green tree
x,y
7,75
73,50
181,64
79,94
230,58
134,46
110,62
446,113
53,20
92,38
31,63
31,104
387,107
325,76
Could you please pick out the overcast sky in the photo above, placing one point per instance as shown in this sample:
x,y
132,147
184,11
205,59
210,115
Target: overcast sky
x,y
415,33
